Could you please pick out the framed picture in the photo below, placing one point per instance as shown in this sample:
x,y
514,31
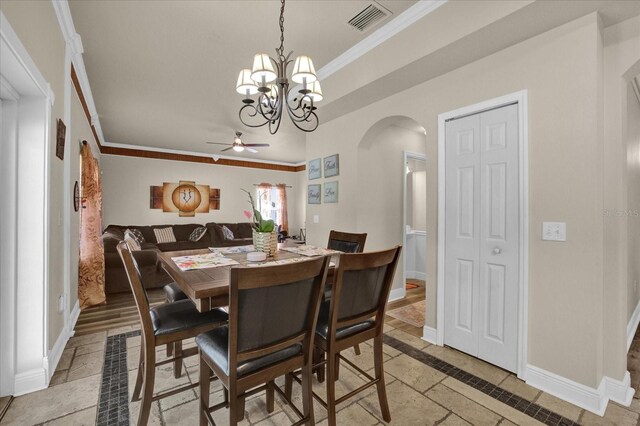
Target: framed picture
x,y
62,129
331,166
331,192
313,194
315,169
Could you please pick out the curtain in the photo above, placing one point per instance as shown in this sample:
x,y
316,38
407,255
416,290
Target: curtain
x,y
282,189
91,263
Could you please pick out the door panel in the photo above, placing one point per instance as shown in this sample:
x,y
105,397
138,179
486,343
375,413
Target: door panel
x,y
462,233
499,239
481,235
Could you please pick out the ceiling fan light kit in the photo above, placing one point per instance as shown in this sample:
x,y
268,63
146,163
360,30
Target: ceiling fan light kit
x,y
238,145
268,79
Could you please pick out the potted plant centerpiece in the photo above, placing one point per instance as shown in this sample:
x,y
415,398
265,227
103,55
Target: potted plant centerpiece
x,y
265,236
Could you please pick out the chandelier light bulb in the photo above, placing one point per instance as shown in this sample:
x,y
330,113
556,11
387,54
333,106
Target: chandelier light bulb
x,y
263,71
245,85
316,91
303,69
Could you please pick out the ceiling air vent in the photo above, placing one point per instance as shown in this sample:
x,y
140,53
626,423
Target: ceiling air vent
x,y
370,15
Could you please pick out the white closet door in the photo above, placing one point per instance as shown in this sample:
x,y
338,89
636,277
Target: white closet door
x,y
482,239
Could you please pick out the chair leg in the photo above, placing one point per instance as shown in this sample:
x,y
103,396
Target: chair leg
x,y
205,374
270,396
169,350
288,385
177,364
331,388
149,379
337,364
139,378
356,349
318,356
233,406
307,395
379,370
241,404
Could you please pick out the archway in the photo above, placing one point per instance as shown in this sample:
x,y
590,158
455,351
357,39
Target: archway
x,y
381,179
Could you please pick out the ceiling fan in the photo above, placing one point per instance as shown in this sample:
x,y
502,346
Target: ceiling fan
x,y
238,145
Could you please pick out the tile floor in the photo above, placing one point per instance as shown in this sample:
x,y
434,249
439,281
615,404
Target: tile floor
x,y
418,393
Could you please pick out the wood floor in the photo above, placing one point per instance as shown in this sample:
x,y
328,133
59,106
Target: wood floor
x,y
120,311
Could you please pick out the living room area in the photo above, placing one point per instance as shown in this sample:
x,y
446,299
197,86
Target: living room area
x,y
497,143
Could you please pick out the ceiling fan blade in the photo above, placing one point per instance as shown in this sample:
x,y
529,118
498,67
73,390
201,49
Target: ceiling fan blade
x,y
217,143
250,149
227,149
257,144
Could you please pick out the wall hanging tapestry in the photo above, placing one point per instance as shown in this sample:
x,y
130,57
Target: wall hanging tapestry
x,y
185,198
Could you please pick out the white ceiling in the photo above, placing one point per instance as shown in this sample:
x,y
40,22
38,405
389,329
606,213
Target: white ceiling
x,y
163,73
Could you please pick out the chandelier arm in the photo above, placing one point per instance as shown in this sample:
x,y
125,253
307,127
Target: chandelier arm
x,y
305,107
254,114
312,118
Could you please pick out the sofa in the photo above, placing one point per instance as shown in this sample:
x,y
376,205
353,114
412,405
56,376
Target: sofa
x,y
153,276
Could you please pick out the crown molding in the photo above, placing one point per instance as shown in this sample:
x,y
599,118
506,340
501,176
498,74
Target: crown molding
x,y
214,157
382,34
74,43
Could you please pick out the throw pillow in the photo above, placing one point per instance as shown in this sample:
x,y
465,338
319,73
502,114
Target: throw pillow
x,y
164,235
227,233
136,234
197,234
131,241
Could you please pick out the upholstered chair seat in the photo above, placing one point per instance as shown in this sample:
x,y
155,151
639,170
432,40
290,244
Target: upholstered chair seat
x,y
173,293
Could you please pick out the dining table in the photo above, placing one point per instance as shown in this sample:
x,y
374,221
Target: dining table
x,y
208,288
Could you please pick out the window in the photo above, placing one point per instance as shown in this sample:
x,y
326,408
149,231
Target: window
x,y
271,202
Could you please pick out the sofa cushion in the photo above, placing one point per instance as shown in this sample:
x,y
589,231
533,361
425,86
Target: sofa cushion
x,y
193,245
198,233
165,235
175,246
136,234
182,232
228,234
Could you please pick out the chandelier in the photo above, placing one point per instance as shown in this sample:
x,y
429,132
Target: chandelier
x,y
274,95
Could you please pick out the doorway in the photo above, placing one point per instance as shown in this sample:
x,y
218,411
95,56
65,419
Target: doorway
x,y
482,231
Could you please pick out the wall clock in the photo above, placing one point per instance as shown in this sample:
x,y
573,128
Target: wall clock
x,y
76,196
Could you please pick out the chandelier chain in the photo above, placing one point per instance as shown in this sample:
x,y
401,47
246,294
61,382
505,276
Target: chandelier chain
x,y
280,50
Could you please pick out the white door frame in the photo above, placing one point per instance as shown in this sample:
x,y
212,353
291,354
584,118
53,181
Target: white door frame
x,y
523,206
25,364
406,155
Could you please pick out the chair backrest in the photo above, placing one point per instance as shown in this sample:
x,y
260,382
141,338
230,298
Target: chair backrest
x,y
362,285
274,307
346,242
135,281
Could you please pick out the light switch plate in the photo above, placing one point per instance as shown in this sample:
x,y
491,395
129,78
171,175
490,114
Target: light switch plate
x,y
554,231
316,218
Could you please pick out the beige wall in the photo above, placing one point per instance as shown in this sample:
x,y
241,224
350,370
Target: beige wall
x,y
36,25
559,70
126,182
621,50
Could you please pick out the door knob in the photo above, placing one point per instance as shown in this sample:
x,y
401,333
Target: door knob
x,y
496,250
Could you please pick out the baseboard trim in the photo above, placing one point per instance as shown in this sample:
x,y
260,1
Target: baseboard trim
x,y
430,335
416,275
30,381
73,318
619,391
591,399
397,294
54,355
632,325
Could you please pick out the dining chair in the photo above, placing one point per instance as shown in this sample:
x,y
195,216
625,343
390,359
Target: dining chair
x,y
354,315
164,324
172,293
272,320
345,242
